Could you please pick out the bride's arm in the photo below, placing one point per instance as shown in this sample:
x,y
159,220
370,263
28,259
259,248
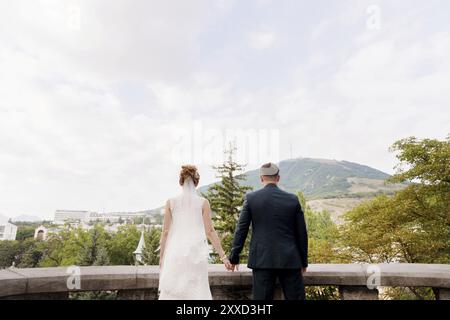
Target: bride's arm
x,y
165,231
211,232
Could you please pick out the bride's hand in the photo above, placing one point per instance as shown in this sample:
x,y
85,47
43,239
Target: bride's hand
x,y
226,262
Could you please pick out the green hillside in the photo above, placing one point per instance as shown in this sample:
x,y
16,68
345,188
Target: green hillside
x,y
321,178
336,186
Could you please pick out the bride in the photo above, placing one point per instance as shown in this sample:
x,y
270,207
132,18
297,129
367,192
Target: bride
x,y
184,248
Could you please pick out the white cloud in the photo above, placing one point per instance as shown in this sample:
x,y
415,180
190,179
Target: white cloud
x,y
261,40
225,5
89,117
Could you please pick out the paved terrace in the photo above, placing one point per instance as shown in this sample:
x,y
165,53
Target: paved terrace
x,y
141,282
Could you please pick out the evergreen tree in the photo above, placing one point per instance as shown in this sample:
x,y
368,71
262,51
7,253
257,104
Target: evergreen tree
x,y
150,253
93,248
226,199
122,245
94,252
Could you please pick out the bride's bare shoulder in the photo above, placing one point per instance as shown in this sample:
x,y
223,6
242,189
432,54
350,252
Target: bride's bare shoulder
x,y
174,198
170,202
205,202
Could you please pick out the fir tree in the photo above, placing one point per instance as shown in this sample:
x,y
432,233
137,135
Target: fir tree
x,y
93,250
226,199
150,253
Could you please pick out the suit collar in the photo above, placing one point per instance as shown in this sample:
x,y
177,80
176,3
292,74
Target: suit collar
x,y
271,185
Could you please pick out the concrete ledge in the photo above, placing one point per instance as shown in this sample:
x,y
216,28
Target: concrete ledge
x,y
415,275
42,280
15,282
335,274
108,278
12,283
147,277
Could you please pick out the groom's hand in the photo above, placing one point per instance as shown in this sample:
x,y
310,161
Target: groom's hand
x,y
304,270
227,264
234,267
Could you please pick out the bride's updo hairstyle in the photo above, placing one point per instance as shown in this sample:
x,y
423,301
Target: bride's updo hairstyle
x,y
189,171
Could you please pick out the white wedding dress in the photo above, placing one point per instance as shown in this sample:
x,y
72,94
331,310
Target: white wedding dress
x,y
184,273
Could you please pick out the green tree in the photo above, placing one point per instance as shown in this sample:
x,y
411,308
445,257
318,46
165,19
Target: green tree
x,y
24,232
122,245
57,251
323,234
31,253
93,252
322,246
8,252
427,162
93,246
412,226
150,253
226,199
25,253
63,247
75,246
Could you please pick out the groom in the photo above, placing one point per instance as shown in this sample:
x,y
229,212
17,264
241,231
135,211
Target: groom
x,y
279,244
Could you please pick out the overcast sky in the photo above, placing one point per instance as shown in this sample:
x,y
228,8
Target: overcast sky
x,y
98,99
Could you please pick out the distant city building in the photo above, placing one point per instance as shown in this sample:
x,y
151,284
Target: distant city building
x,y
116,216
8,231
95,216
112,228
63,216
41,233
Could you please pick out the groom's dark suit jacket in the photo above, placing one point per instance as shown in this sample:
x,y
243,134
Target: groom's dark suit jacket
x,y
279,236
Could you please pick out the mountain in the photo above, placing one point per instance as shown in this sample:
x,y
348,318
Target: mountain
x,y
336,186
321,178
21,218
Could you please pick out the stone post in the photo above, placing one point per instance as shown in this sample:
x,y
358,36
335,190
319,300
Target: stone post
x,y
442,294
137,294
231,292
357,293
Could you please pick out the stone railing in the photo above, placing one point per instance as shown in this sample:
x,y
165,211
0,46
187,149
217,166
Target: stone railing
x,y
141,282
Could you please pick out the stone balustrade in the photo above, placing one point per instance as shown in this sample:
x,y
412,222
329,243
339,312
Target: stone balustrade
x,y
141,282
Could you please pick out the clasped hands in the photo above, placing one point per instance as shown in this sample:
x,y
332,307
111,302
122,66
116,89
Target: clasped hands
x,y
232,267
228,265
